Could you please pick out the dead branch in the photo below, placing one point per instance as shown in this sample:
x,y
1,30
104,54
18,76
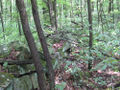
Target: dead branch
x,y
16,62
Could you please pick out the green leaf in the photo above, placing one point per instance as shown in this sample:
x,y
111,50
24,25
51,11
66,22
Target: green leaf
x,y
103,67
66,46
5,64
60,86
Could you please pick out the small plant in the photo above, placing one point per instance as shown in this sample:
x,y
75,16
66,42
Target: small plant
x,y
100,81
60,86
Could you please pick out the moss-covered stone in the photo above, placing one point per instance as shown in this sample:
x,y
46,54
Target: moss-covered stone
x,y
5,79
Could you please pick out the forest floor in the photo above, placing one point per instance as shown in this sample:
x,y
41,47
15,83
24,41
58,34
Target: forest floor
x,y
80,78
106,78
85,79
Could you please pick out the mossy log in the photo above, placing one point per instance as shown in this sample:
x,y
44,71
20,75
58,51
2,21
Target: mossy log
x,y
16,62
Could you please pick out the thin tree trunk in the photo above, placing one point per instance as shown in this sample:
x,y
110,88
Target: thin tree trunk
x,y
1,6
118,8
11,9
19,26
98,11
51,14
71,12
101,15
1,18
55,13
90,31
28,35
60,15
110,6
43,44
118,4
81,15
2,22
113,10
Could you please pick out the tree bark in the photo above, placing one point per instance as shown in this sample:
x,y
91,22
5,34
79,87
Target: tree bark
x,y
43,44
1,5
1,18
55,14
11,9
16,62
2,22
28,35
110,6
51,14
98,11
90,32
19,26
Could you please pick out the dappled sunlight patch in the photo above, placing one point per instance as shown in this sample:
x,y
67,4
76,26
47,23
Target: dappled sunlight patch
x,y
109,72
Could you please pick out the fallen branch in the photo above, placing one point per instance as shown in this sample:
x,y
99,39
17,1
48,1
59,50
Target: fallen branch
x,y
21,75
16,62
110,56
74,22
107,55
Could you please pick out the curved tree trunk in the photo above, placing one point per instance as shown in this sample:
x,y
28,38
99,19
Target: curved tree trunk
x,y
43,44
31,43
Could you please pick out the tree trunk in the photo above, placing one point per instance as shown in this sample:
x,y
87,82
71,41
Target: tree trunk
x,y
98,11
11,9
43,44
26,29
51,14
55,13
19,24
2,22
1,4
110,6
81,15
1,18
90,32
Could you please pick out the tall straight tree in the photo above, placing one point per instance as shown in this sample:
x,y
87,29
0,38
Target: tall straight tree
x,y
55,14
90,32
52,10
1,5
1,18
26,29
2,22
110,6
43,43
